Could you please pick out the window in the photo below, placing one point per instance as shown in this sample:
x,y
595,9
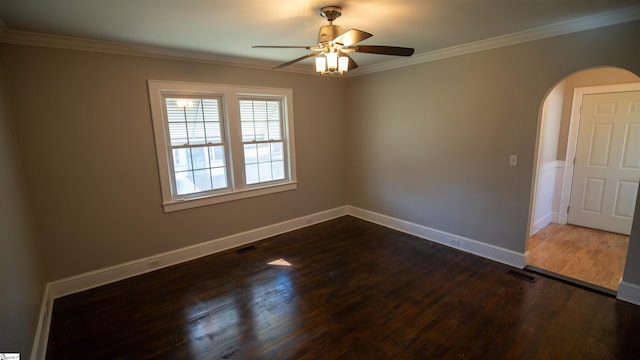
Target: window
x,y
197,150
219,143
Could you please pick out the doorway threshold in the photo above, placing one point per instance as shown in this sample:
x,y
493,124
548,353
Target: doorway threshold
x,y
570,280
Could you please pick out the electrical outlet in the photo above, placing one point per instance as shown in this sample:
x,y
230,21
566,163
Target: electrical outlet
x,y
513,160
154,263
454,242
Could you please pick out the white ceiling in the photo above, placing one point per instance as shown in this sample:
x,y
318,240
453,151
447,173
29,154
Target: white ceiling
x,y
230,27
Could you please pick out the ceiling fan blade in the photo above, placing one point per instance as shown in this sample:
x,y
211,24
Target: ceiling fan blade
x,y
280,47
385,50
296,60
351,37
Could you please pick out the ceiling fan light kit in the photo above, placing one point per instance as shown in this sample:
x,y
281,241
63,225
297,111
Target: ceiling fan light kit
x,y
333,45
331,62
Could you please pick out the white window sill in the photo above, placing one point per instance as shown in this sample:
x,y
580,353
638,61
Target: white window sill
x,y
178,205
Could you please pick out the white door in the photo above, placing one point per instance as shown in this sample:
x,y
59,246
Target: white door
x,y
607,162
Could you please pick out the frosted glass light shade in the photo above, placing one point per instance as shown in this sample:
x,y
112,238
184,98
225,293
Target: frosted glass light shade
x,y
332,61
321,64
343,63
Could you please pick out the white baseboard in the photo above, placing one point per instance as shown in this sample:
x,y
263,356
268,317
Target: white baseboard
x,y
485,250
629,292
541,223
104,276
114,273
38,350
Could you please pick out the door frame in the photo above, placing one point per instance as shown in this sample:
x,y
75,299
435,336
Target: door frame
x,y
572,142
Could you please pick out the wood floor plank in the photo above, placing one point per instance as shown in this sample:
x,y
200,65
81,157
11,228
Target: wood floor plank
x,y
589,255
355,290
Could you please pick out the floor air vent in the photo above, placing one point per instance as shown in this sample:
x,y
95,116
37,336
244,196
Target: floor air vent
x,y
245,249
521,275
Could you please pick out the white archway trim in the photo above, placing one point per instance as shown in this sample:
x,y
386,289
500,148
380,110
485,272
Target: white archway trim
x,y
574,125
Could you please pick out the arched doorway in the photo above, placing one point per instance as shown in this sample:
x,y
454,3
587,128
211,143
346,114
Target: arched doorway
x,y
572,253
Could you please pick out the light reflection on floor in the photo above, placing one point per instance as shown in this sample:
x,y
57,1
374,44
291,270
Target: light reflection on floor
x,y
258,310
280,262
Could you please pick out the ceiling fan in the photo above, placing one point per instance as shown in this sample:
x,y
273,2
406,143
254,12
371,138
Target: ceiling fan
x,y
333,46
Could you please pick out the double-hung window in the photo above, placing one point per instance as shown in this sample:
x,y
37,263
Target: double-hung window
x,y
219,143
262,140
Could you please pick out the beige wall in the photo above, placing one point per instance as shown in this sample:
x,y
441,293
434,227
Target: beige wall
x,y
85,134
21,280
427,143
430,143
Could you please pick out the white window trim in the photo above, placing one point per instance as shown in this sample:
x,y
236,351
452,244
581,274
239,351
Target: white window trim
x,y
230,93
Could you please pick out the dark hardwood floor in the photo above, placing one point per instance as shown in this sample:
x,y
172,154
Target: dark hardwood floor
x,y
355,290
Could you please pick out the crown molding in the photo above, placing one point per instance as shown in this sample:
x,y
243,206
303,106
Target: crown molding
x,y
575,25
16,37
623,15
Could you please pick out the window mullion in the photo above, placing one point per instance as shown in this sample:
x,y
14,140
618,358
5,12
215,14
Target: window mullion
x,y
236,147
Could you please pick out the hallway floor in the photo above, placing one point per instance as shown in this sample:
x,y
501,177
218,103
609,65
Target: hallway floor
x,y
588,255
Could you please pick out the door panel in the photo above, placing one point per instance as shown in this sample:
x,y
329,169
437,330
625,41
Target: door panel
x,y
631,155
593,194
627,191
607,163
600,145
